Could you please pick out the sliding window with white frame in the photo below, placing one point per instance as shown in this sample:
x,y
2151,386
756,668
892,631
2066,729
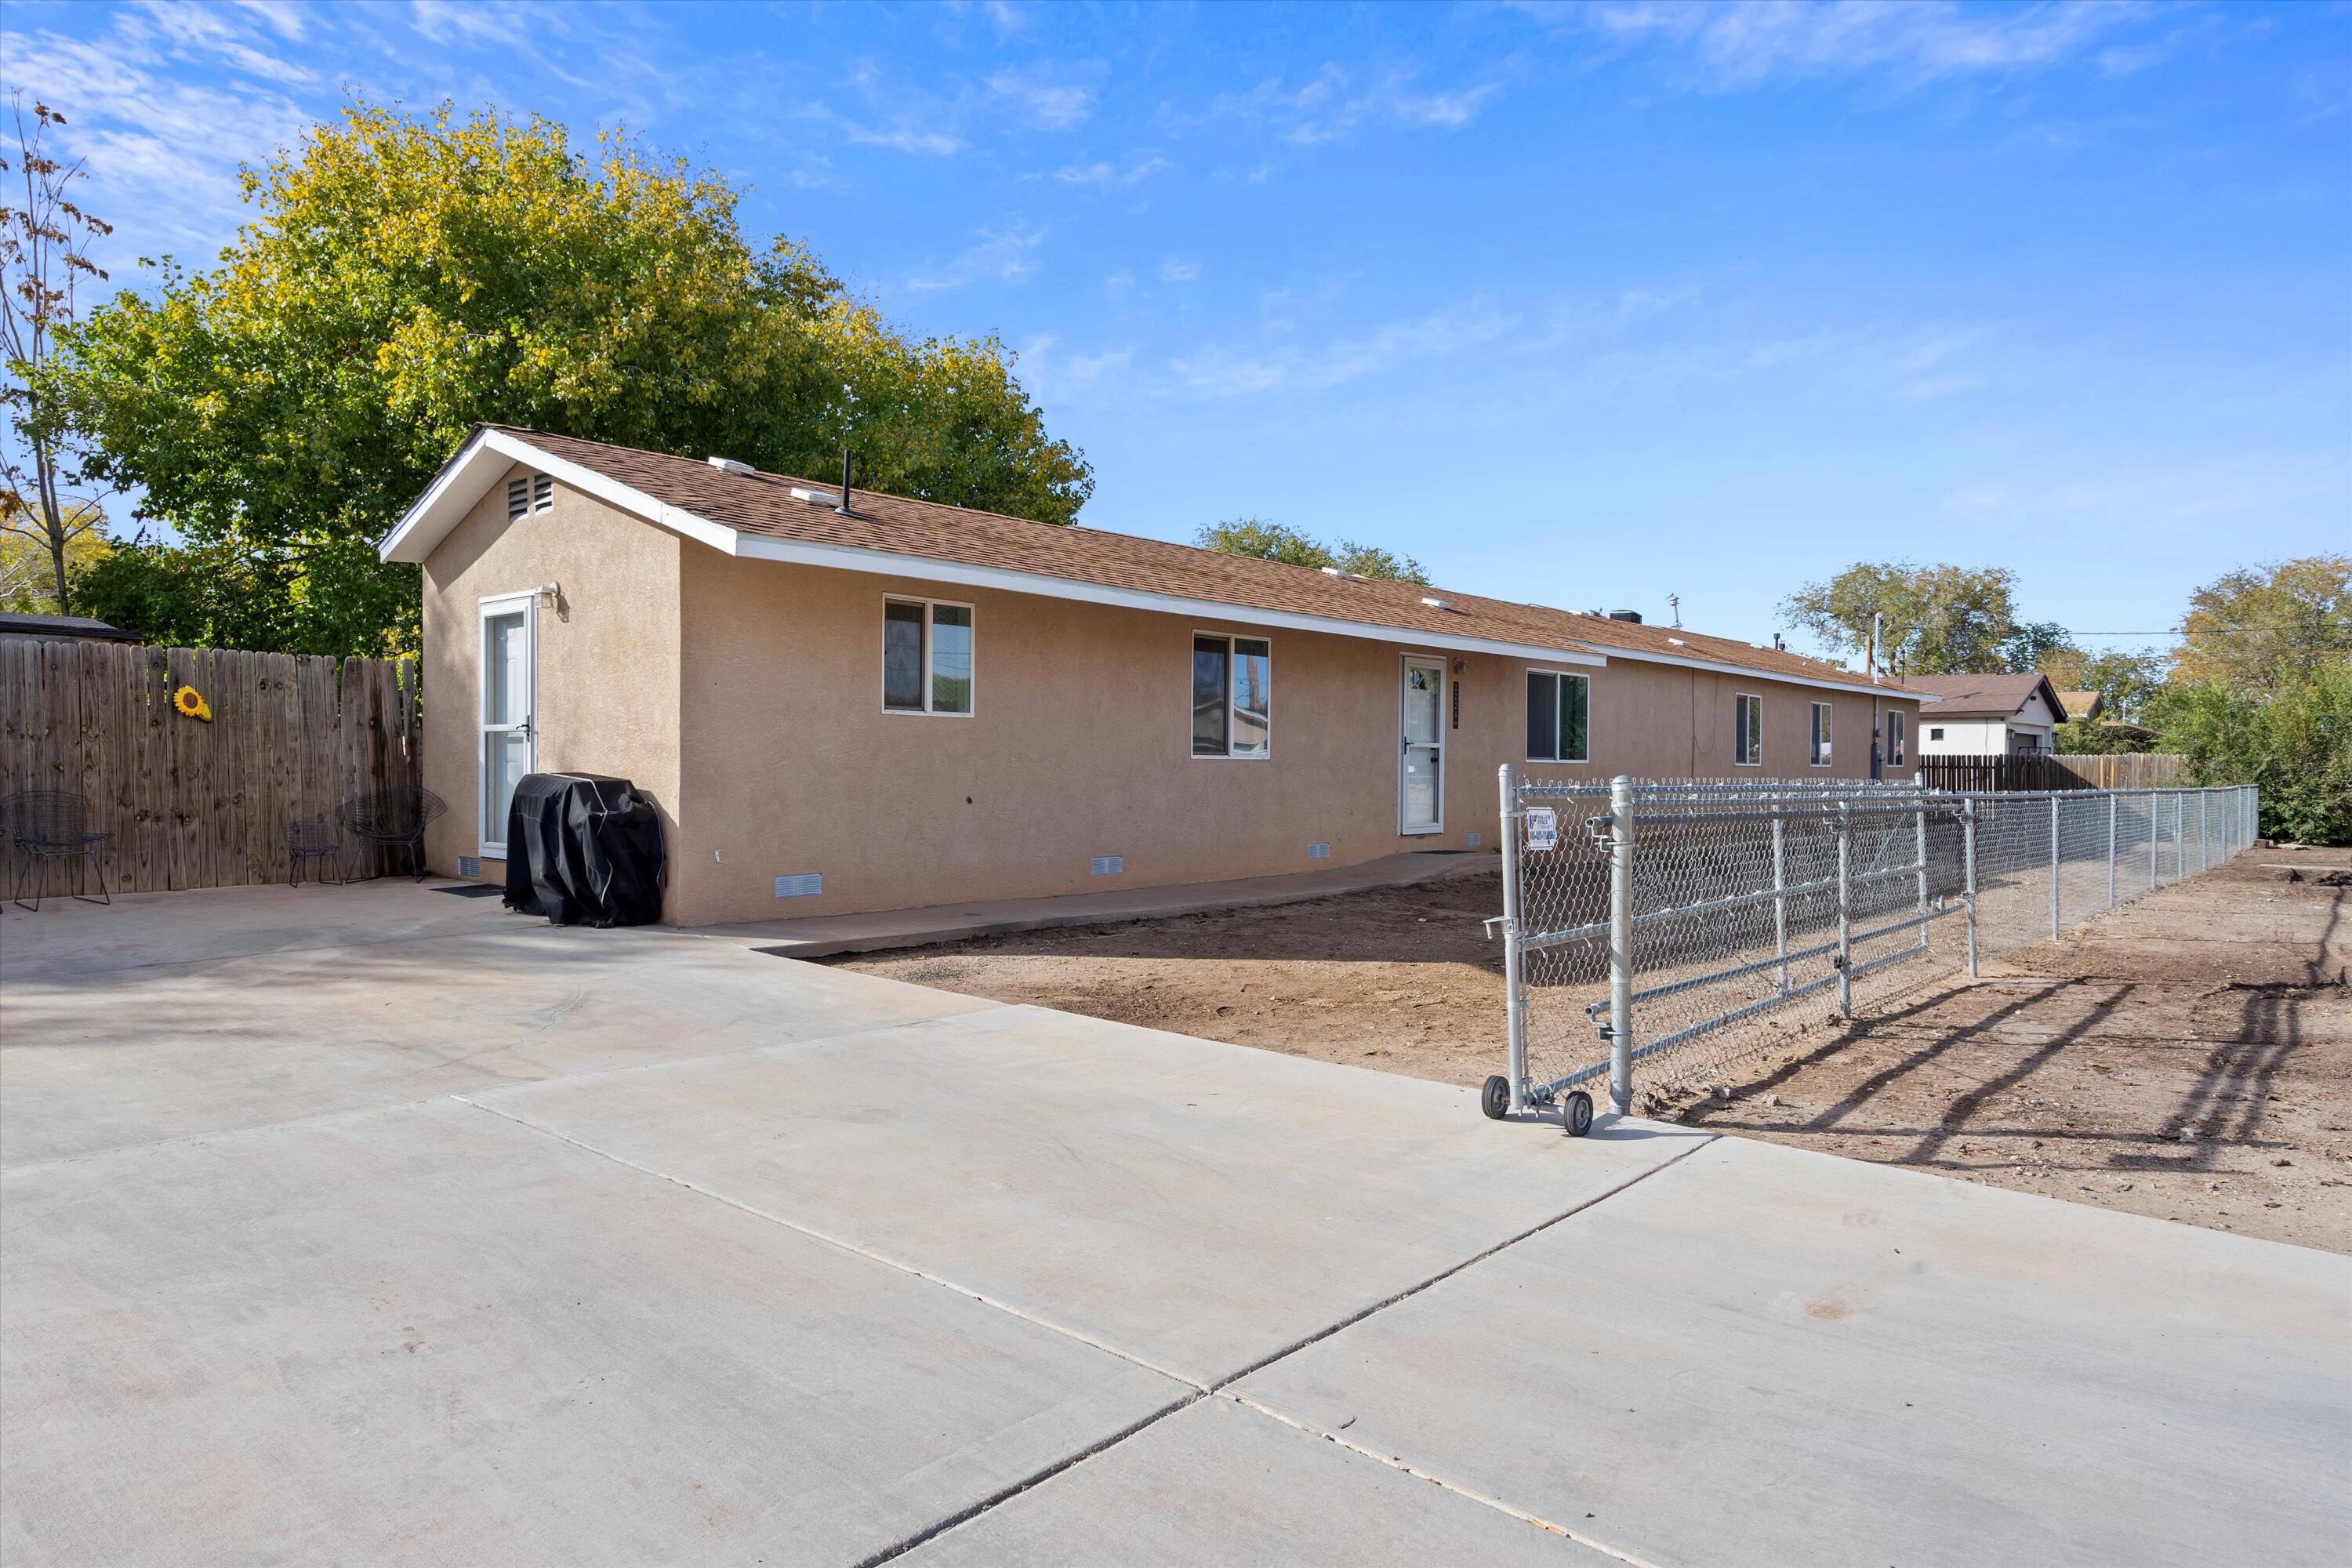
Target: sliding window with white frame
x,y
926,656
1559,709
1232,695
1748,730
1820,748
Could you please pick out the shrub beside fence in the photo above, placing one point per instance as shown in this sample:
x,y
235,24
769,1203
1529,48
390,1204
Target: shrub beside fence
x,y
2038,771
197,805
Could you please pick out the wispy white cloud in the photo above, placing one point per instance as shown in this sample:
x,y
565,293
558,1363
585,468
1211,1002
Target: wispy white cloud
x,y
1332,104
1920,40
478,21
1054,376
1177,270
1007,257
204,32
1228,372
1052,105
162,153
1110,176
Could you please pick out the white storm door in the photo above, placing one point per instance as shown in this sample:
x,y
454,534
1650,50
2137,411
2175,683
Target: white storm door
x,y
510,703
1420,761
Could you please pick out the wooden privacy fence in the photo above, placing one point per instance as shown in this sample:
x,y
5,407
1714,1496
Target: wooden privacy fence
x,y
197,805
2053,771
2124,770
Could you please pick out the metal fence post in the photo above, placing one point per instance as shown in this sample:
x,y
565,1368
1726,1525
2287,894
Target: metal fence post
x,y
2155,834
1779,901
1969,873
1621,944
1921,837
2111,847
2204,831
2054,927
1845,911
1515,1004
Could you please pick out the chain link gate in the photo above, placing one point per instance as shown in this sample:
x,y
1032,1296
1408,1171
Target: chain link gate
x,y
1675,924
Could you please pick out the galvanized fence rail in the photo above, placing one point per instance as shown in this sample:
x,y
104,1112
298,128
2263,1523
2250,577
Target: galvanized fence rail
x,y
1673,927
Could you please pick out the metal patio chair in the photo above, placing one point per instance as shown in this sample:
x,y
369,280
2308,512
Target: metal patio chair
x,y
45,826
313,842
394,818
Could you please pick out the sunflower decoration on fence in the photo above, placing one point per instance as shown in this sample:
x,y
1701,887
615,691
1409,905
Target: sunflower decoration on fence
x,y
191,704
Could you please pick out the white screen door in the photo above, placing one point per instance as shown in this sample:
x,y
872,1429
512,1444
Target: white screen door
x,y
509,735
1421,786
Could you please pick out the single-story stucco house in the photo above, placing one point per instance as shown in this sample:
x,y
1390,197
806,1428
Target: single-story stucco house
x,y
1990,715
904,703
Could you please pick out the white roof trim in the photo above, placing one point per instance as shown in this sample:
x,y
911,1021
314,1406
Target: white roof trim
x,y
1750,672
467,477
887,563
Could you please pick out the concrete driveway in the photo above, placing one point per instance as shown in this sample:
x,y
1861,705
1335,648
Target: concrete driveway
x,y
379,1226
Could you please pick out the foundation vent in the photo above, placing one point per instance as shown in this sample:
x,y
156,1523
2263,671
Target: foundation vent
x,y
470,866
1472,840
1318,852
1110,864
807,885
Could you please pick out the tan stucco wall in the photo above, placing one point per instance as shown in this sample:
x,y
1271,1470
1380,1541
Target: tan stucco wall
x,y
745,696
607,653
1079,746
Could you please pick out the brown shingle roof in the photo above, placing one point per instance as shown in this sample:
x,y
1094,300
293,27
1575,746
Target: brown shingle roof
x,y
1985,696
762,503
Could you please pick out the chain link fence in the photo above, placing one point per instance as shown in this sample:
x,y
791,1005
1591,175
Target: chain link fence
x,y
1667,929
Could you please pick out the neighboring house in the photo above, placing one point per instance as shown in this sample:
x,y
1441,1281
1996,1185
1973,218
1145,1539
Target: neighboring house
x,y
912,703
1988,715
62,629
2082,704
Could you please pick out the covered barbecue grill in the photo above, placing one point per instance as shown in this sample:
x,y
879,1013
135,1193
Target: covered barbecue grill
x,y
584,850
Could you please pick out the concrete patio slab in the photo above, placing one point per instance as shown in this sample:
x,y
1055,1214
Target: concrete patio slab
x,y
1218,1483
1197,1205
1765,1355
821,936
225,1017
428,1335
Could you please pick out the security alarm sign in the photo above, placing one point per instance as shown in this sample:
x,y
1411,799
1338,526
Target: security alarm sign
x,y
1543,827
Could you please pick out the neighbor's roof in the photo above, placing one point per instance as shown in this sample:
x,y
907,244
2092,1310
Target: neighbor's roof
x,y
76,627
1986,696
756,514
2080,704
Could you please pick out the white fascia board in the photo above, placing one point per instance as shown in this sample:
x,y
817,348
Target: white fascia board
x,y
883,563
467,477
1749,672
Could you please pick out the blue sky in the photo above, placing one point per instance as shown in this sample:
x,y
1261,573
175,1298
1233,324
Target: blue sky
x,y
1588,305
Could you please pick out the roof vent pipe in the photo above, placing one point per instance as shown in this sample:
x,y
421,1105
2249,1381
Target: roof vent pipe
x,y
1632,616
843,510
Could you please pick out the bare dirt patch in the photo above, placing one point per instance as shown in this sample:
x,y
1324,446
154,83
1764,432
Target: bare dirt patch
x,y
2187,1057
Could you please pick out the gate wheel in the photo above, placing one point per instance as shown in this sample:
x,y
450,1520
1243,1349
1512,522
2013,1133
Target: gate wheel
x,y
1495,1100
1578,1112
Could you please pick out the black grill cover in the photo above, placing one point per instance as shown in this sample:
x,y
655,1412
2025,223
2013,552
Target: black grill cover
x,y
583,850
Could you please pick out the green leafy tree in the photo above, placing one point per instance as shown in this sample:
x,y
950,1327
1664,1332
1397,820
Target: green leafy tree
x,y
2266,629
1937,620
404,278
28,583
2125,679
44,264
1273,542
2294,742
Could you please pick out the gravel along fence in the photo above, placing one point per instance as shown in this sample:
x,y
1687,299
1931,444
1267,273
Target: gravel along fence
x,y
1663,930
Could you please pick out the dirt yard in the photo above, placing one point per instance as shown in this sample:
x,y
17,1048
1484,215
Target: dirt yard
x,y
2188,1056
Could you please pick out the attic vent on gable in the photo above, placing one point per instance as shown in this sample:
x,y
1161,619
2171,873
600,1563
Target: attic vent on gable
x,y
535,493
